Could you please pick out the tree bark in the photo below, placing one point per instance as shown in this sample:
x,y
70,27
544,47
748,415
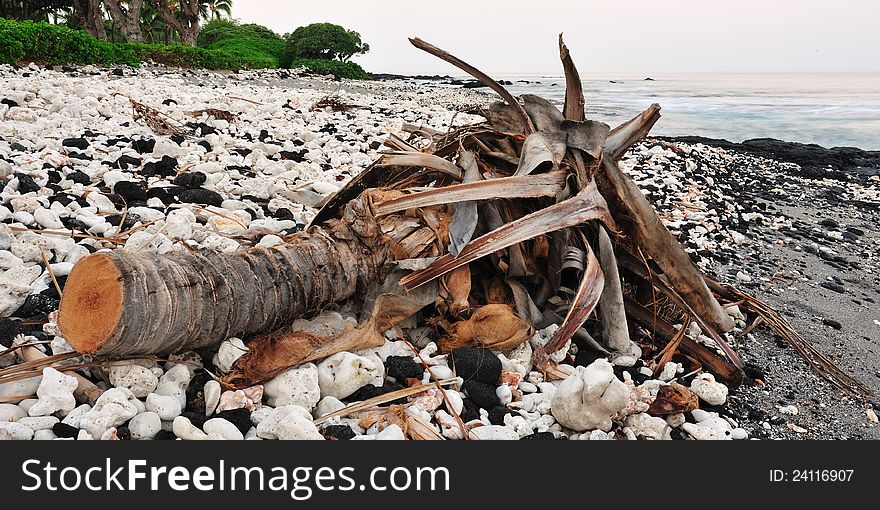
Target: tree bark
x,y
185,21
122,304
88,12
128,19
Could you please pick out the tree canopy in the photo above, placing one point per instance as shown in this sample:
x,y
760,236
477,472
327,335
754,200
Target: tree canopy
x,y
323,41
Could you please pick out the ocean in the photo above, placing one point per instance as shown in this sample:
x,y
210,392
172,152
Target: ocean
x,y
830,110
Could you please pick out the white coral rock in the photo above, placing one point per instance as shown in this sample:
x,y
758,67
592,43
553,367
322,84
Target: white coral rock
x,y
229,351
297,386
55,393
112,409
712,392
141,381
587,399
344,373
288,422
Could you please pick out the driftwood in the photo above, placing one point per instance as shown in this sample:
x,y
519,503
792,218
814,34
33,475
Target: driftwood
x,y
520,219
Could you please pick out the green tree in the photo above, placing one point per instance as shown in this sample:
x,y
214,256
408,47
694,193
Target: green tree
x,y
323,41
212,9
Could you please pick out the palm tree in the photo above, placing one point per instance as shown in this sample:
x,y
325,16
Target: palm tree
x,y
212,9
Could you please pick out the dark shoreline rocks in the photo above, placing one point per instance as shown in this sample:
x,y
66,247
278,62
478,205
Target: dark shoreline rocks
x,y
816,162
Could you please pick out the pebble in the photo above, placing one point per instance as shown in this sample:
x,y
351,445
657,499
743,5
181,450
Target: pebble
x,y
140,380
589,398
712,392
54,394
297,386
392,432
288,422
493,433
476,364
343,373
145,425
223,428
166,406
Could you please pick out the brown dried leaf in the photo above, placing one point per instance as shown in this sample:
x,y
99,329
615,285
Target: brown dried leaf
x,y
455,288
586,205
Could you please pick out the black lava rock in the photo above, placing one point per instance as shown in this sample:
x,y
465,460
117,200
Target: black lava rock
x,y
370,391
828,222
539,436
125,161
496,415
197,419
165,435
477,364
190,180
338,432
26,183
65,430
205,144
166,167
168,102
195,392
469,411
200,196
481,393
586,356
79,143
9,329
832,323
836,287
241,418
8,102
130,191
123,433
143,145
79,177
36,305
402,367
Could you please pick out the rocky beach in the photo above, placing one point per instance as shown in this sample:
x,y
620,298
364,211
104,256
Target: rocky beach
x,y
793,225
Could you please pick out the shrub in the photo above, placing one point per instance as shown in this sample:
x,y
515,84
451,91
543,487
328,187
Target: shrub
x,y
187,56
336,68
322,41
53,44
258,46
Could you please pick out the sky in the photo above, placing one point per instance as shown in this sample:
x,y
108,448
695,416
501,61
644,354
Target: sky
x,y
605,36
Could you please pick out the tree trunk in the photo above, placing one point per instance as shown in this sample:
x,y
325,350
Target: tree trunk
x,y
128,19
93,19
125,304
184,21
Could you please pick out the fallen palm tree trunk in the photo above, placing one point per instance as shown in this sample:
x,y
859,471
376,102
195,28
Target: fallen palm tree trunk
x,y
524,217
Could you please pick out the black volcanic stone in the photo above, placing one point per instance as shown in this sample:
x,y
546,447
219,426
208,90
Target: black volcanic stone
x,y
283,214
36,305
200,196
9,329
195,392
166,167
165,435
828,222
241,418
65,430
79,177
403,367
178,139
539,436
190,179
469,410
26,183
370,391
836,287
481,393
338,432
130,191
832,323
143,145
496,415
8,102
197,419
79,143
205,144
168,102
476,363
126,161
